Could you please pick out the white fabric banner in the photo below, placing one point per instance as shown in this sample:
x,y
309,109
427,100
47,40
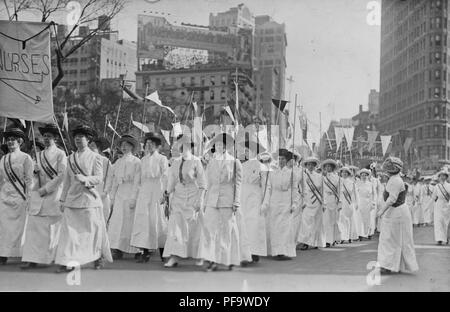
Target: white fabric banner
x,y
262,137
371,137
385,141
339,134
25,71
348,132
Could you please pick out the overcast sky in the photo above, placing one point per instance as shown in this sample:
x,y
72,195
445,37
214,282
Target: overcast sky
x,y
332,53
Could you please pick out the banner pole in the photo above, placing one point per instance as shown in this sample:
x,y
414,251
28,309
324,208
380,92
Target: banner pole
x,y
60,133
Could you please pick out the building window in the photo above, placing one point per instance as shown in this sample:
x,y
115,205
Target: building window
x,y
224,80
437,74
437,92
223,95
202,80
211,95
192,81
213,80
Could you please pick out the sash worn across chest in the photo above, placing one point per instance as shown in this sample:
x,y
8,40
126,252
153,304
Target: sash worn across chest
x,y
18,184
314,189
46,166
73,163
332,187
347,194
444,192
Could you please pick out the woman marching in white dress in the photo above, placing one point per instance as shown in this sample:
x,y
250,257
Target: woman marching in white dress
x,y
150,223
366,204
16,174
219,241
254,201
346,207
331,198
123,197
83,238
441,197
427,201
312,233
187,185
396,244
284,198
44,215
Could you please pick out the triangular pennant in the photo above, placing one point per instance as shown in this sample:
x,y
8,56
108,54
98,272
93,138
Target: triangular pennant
x,y
154,97
177,129
140,126
228,110
385,141
371,137
339,134
348,133
112,128
280,104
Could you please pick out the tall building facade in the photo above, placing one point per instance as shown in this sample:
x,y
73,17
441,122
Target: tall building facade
x,y
195,63
414,80
239,16
374,102
270,68
102,57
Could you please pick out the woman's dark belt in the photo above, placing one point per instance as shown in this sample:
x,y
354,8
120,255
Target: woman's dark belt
x,y
401,199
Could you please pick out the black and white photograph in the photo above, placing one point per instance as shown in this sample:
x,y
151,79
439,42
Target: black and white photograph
x,y
225,147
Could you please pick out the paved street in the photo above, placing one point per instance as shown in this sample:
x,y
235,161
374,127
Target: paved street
x,y
338,269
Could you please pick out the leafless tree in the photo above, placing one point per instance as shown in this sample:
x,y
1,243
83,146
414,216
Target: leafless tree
x,y
90,11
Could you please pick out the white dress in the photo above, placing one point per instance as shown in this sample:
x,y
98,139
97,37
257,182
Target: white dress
x,y
220,239
347,200
44,214
150,223
331,199
396,244
427,203
12,203
441,212
284,194
183,233
83,237
373,213
123,193
311,230
417,211
254,187
366,204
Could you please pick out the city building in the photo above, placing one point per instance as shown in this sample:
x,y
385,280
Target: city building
x,y
414,80
269,64
374,102
239,16
195,63
102,57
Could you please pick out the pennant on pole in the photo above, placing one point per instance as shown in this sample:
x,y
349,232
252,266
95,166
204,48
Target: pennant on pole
x,y
262,137
407,144
348,133
132,94
371,137
385,142
228,110
112,128
194,104
280,104
140,126
339,134
166,135
154,97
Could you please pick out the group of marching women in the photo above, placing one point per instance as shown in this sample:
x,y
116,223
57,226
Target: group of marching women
x,y
81,209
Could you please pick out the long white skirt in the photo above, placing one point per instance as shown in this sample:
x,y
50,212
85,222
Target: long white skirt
x,y
345,223
183,235
427,206
330,224
254,222
441,221
83,238
41,239
363,218
150,224
219,239
281,224
396,244
122,218
312,231
12,224
417,213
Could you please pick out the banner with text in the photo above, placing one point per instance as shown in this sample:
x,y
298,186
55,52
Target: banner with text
x,y
25,71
